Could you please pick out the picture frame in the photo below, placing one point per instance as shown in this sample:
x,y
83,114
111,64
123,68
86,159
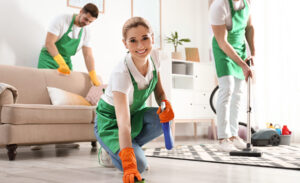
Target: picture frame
x,y
151,11
192,54
80,3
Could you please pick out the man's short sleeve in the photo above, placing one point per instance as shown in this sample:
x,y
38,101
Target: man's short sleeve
x,y
87,40
56,25
218,12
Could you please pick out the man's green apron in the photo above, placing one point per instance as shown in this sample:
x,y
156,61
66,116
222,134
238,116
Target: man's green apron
x,y
236,38
66,46
106,117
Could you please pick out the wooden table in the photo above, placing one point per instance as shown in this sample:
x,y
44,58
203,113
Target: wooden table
x,y
195,121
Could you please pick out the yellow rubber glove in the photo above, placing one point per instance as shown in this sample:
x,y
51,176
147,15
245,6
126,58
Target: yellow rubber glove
x,y
63,67
129,165
94,78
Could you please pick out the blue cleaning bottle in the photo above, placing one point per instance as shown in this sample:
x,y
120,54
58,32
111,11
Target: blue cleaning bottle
x,y
167,130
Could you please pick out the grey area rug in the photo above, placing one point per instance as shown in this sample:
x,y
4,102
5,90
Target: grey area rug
x,y
285,157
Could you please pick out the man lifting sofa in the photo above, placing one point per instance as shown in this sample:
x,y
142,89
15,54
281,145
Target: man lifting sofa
x,y
33,120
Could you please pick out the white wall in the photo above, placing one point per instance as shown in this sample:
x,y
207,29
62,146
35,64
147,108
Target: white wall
x,y
277,63
190,19
24,25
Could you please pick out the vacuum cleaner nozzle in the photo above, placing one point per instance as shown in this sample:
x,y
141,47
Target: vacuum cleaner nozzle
x,y
246,152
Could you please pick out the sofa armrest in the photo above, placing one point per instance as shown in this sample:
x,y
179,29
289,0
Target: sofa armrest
x,y
6,97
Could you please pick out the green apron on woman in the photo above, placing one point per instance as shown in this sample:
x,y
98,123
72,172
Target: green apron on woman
x,y
236,38
106,117
66,46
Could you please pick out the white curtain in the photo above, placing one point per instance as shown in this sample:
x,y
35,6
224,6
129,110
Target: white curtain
x,y
277,88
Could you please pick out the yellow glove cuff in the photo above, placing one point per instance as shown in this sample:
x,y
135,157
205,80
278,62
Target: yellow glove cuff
x,y
59,60
94,78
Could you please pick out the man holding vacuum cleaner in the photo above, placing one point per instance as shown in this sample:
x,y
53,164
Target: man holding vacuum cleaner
x,y
66,36
232,27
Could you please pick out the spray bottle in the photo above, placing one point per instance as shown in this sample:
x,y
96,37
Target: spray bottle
x,y
167,130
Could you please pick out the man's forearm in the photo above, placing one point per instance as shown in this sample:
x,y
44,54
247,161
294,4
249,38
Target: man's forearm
x,y
51,48
88,58
250,39
90,63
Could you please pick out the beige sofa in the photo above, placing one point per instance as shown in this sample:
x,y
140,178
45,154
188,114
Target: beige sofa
x,y
32,120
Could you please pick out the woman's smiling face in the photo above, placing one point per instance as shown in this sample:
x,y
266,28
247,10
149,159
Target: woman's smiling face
x,y
139,42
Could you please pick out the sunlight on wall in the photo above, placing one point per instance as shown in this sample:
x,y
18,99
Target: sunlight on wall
x,y
277,63
7,53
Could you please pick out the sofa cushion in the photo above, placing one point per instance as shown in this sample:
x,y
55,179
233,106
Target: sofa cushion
x,y
95,93
62,97
46,114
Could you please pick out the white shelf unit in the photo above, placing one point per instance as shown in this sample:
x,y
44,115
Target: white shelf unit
x,y
188,90
192,83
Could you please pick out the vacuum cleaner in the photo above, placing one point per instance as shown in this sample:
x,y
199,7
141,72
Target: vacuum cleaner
x,y
248,151
263,137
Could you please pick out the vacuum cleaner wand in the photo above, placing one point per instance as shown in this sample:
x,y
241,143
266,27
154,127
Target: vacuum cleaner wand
x,y
248,151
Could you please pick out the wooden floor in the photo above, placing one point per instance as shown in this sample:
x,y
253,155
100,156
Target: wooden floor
x,y
81,165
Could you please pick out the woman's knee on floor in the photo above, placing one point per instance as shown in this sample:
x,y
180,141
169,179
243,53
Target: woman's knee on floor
x,y
141,162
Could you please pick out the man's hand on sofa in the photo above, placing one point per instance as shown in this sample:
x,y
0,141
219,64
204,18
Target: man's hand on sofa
x,y
63,67
94,78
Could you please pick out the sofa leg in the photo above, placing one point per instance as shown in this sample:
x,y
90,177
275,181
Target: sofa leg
x,y
11,151
94,144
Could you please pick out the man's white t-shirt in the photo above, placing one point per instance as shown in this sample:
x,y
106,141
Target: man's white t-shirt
x,y
120,79
59,26
220,12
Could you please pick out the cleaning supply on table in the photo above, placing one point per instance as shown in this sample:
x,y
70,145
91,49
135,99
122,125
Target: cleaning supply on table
x,y
278,129
285,130
271,126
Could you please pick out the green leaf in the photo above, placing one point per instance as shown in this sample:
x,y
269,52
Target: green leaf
x,y
185,40
172,35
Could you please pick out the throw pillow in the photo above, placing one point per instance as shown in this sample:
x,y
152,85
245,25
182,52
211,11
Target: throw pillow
x,y
62,97
94,94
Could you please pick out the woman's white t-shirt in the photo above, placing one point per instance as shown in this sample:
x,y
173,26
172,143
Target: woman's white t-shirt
x,y
120,79
220,12
59,26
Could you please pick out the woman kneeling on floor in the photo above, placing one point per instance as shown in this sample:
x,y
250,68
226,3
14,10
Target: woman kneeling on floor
x,y
124,124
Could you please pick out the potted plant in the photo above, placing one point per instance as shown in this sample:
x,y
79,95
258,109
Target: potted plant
x,y
176,41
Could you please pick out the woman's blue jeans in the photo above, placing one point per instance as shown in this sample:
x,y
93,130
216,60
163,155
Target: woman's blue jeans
x,y
151,129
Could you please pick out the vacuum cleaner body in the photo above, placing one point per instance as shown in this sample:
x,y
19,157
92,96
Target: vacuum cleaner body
x,y
265,137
